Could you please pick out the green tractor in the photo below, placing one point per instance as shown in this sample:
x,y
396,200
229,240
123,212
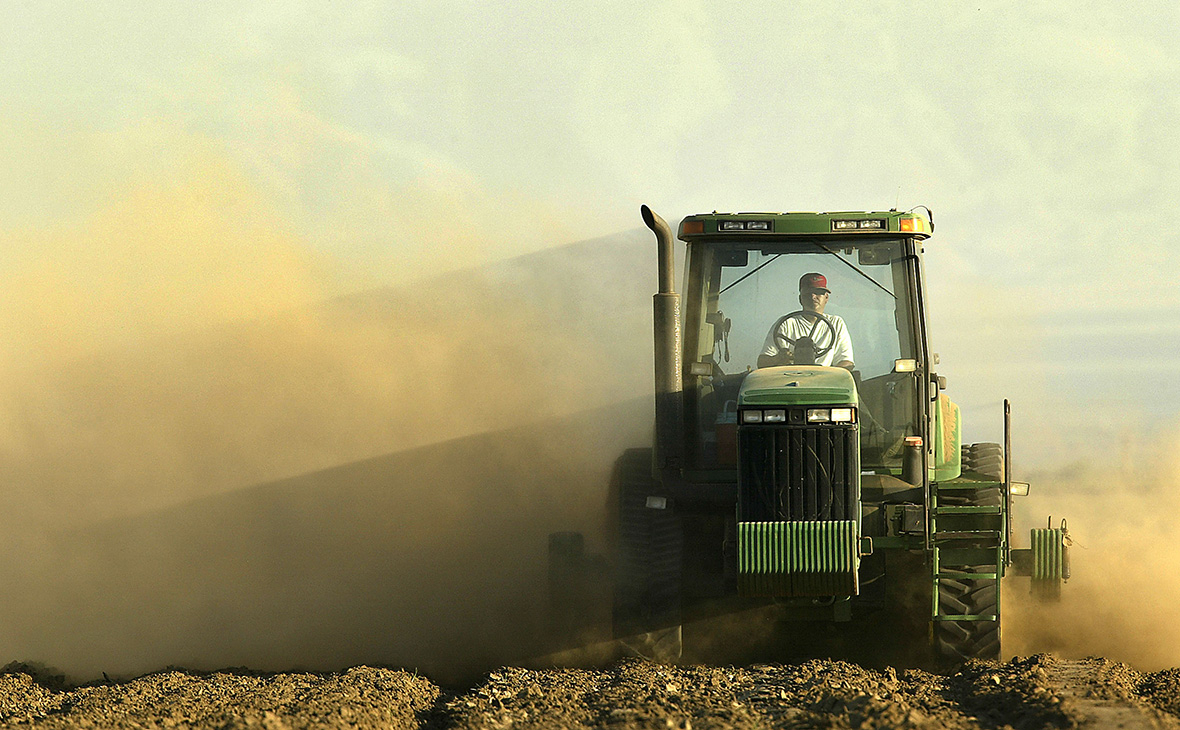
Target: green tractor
x,y
805,453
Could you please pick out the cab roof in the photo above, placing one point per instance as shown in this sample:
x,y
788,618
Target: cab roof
x,y
841,223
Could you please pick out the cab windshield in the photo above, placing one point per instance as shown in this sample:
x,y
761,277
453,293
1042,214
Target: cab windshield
x,y
746,292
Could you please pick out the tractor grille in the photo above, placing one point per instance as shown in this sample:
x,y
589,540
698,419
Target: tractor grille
x,y
797,472
817,558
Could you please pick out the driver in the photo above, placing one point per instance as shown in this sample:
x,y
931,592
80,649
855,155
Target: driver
x,y
827,332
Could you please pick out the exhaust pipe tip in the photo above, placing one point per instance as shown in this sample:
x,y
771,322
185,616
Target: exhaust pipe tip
x,y
649,218
663,234
653,221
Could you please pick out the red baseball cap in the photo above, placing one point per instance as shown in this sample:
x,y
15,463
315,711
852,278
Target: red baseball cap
x,y
813,281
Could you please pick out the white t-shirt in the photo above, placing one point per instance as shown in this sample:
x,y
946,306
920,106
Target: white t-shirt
x,y
797,327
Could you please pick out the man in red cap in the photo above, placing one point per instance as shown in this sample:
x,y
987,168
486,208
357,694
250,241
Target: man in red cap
x,y
809,331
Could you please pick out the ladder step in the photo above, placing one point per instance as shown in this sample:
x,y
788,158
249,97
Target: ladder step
x,y
966,535
969,576
948,556
962,617
958,486
968,510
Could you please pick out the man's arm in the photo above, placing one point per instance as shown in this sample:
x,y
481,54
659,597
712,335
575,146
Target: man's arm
x,y
843,355
772,354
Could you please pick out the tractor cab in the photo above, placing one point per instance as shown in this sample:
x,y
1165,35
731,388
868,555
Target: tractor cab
x,y
743,281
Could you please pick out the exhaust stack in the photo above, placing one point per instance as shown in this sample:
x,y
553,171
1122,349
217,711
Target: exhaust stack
x,y
669,439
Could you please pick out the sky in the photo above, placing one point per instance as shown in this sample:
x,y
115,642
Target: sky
x,y
388,142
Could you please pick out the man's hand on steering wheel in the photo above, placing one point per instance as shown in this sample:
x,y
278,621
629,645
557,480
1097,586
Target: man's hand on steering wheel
x,y
806,316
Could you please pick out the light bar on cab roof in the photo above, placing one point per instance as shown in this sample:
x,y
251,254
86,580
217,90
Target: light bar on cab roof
x,y
802,224
726,226
868,224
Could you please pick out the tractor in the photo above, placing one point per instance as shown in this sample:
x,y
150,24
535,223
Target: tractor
x,y
837,490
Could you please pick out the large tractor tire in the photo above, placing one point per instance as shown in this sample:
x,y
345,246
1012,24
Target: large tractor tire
x,y
957,641
648,544
985,459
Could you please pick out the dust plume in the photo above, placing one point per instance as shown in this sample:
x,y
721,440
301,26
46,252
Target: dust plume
x,y
1121,602
210,460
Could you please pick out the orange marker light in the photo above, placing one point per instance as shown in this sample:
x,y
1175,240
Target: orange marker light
x,y
913,225
690,227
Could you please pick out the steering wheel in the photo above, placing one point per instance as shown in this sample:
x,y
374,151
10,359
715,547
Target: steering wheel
x,y
805,316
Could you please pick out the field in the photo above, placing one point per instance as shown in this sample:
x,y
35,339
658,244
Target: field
x,y
1034,692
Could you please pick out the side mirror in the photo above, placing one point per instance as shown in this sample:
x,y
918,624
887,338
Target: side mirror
x,y
735,257
873,256
1019,489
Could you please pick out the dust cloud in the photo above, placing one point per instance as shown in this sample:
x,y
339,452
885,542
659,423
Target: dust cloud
x,y
209,459
1122,600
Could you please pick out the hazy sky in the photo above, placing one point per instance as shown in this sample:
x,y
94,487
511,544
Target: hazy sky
x,y
399,139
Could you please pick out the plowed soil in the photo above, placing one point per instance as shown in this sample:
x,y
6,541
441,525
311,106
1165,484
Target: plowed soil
x,y
1035,692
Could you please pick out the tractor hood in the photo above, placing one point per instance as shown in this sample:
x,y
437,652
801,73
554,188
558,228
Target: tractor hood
x,y
804,385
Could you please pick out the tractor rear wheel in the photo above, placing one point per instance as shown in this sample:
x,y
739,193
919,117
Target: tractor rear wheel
x,y
648,544
961,640
985,459
977,636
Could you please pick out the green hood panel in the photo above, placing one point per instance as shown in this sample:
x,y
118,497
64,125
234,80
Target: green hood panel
x,y
802,385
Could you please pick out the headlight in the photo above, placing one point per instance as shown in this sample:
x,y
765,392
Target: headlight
x,y
872,224
819,415
841,415
743,226
814,415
